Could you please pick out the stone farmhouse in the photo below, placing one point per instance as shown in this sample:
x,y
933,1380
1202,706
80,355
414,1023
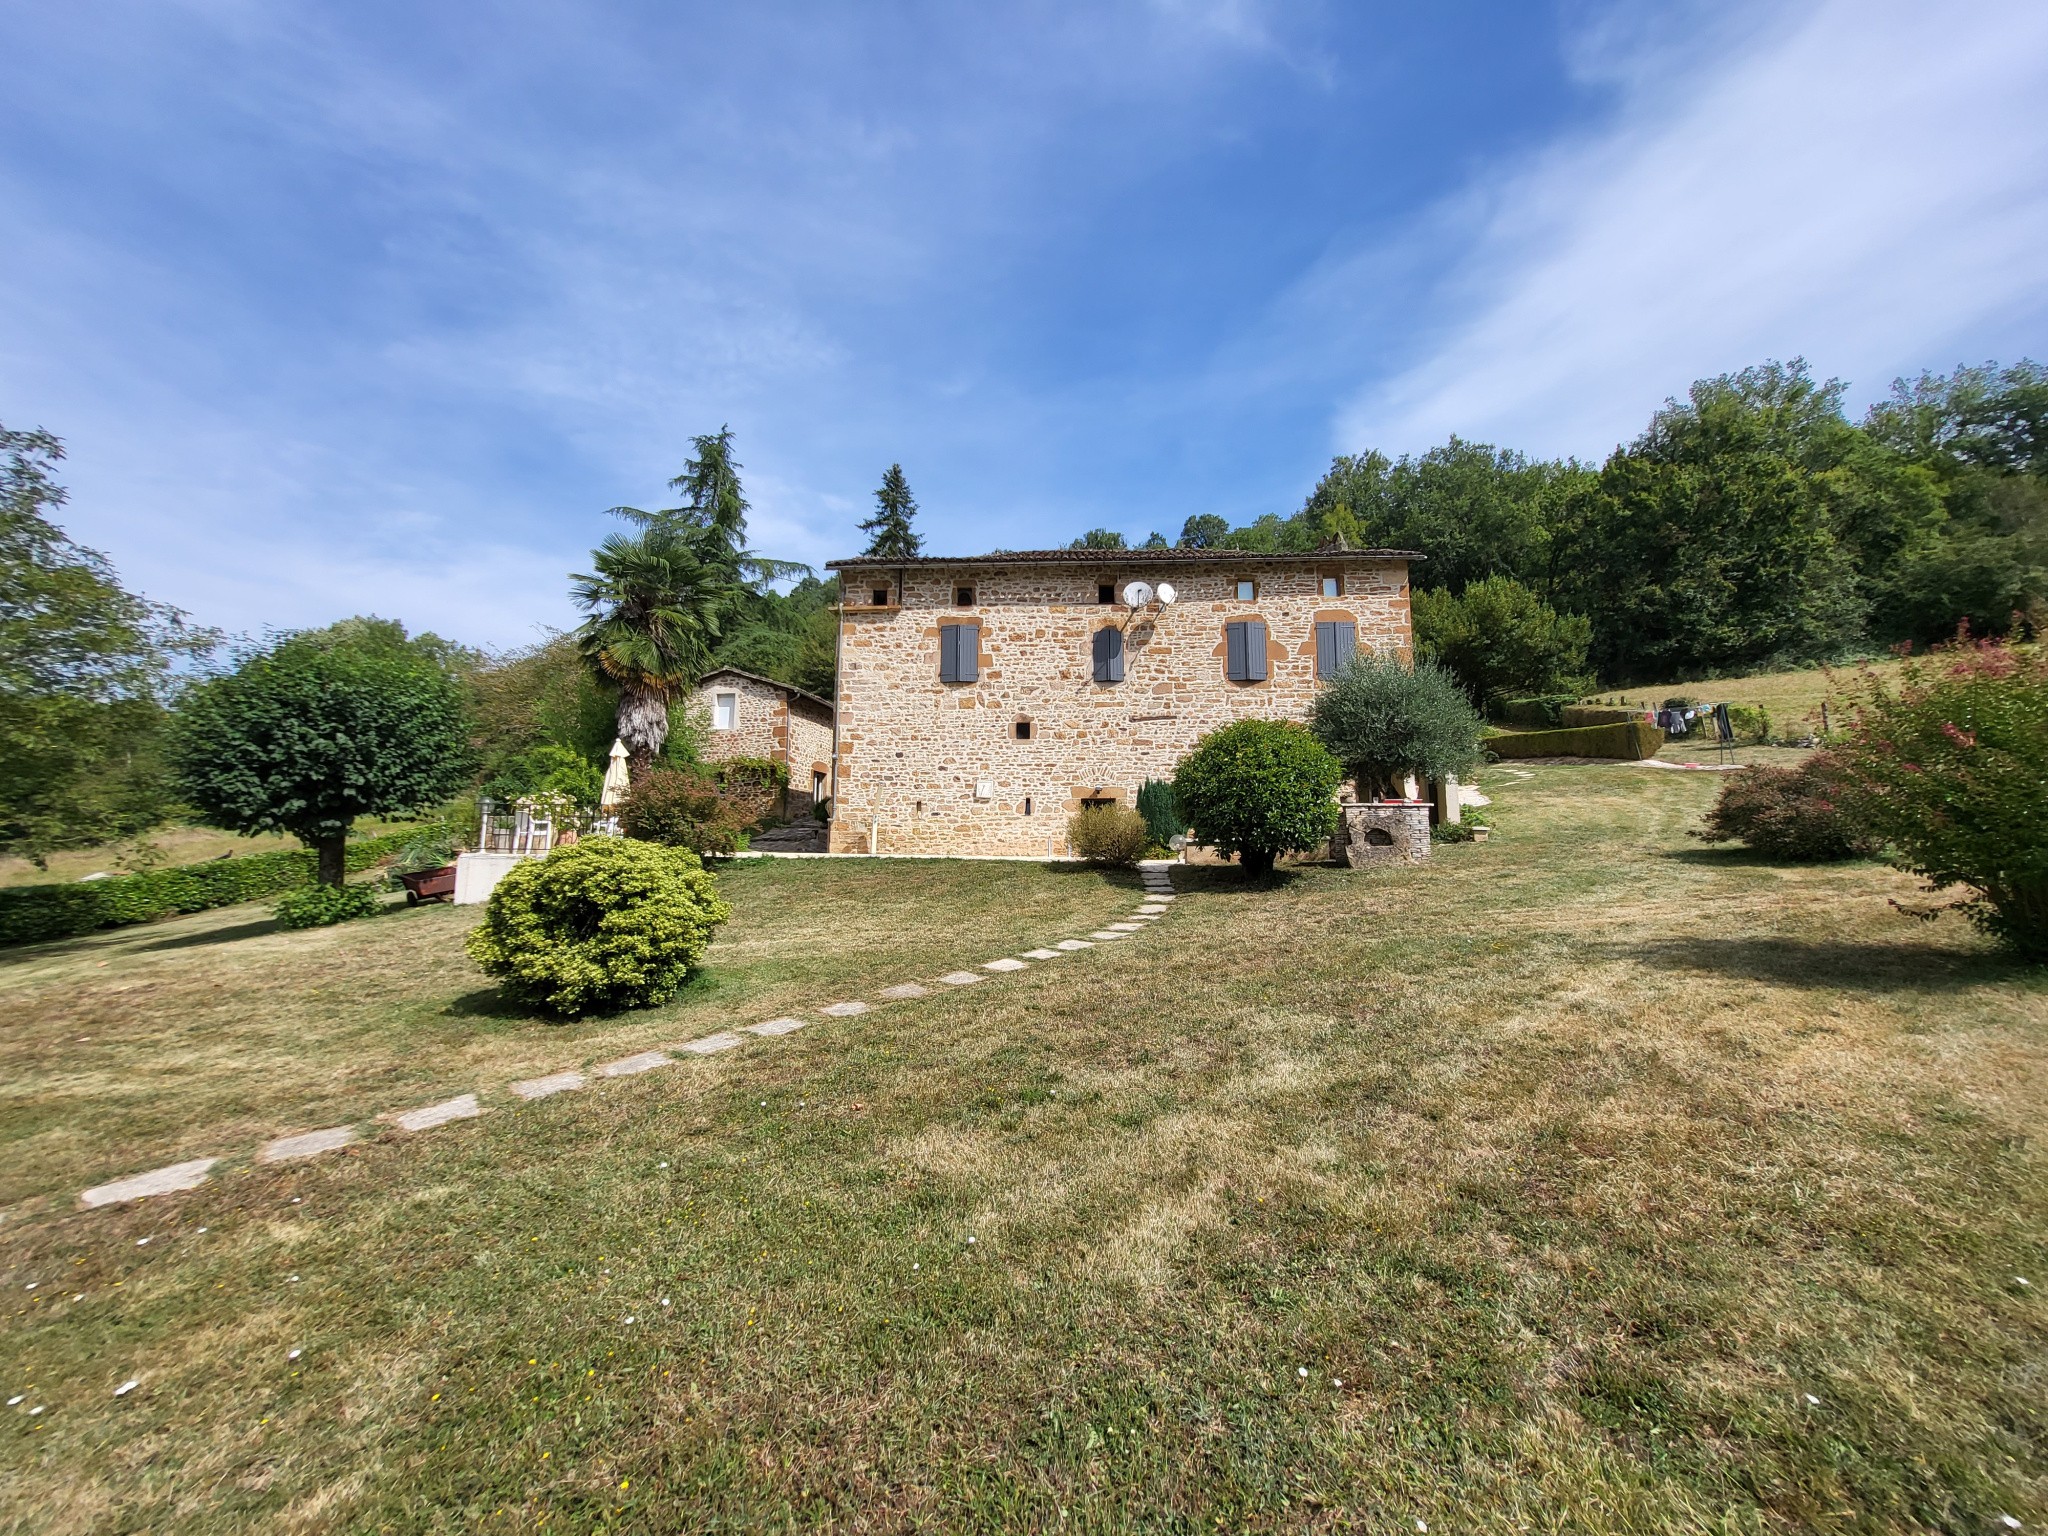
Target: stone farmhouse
x,y
982,701
754,716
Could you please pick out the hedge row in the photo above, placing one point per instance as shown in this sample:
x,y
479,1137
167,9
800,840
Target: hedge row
x,y
30,914
1632,739
1596,714
1531,714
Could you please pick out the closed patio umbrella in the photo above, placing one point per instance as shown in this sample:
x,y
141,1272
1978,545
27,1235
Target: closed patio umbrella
x,y
615,779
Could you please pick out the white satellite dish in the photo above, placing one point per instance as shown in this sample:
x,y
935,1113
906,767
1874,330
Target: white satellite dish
x,y
1166,595
1138,593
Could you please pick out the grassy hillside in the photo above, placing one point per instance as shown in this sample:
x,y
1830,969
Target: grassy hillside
x,y
1793,698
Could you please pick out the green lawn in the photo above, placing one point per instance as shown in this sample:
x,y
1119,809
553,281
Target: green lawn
x,y
1537,1189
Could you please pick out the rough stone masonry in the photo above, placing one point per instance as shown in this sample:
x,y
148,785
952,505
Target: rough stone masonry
x,y
997,764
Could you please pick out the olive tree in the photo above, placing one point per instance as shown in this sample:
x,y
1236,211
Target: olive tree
x,y
1384,719
309,733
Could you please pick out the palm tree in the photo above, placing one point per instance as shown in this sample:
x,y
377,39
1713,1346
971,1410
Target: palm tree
x,y
660,596
654,606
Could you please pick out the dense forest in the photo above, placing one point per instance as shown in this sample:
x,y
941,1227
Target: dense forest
x,y
1751,525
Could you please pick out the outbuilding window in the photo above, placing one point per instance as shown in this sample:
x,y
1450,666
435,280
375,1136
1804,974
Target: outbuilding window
x,y
959,653
725,709
1244,651
881,596
1247,590
1109,655
1333,586
1336,639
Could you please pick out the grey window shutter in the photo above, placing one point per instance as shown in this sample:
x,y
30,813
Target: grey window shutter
x,y
1255,650
1109,655
958,653
970,652
1233,652
947,651
1336,639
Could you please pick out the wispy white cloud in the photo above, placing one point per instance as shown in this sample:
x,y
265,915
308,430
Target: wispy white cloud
x,y
1864,182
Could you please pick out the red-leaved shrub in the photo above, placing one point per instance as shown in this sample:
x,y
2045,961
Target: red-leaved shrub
x,y
1788,813
1949,767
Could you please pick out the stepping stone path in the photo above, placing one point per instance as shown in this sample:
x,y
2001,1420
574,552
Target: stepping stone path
x,y
1158,888
462,1107
307,1144
542,1087
159,1181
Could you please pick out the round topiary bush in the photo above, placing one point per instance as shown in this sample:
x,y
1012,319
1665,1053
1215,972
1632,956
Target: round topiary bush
x,y
686,810
1109,834
316,906
1258,789
602,925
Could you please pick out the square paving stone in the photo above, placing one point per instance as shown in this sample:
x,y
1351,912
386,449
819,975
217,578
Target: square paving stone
x,y
902,992
557,1082
628,1066
428,1116
961,978
776,1027
1041,954
724,1040
1071,944
1126,927
1005,964
1104,935
158,1181
843,1010
306,1144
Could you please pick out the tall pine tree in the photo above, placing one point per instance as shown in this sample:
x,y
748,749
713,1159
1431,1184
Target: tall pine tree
x,y
890,535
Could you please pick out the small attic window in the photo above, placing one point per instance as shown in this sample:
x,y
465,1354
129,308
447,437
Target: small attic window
x,y
881,596
1023,730
963,596
1105,592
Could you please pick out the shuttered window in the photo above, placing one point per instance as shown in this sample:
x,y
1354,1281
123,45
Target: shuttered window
x,y
1245,651
1336,639
1109,655
959,653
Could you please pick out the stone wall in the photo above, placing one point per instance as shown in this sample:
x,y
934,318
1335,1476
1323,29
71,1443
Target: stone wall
x,y
932,767
769,722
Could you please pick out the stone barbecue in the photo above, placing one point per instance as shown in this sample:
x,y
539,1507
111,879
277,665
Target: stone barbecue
x,y
984,700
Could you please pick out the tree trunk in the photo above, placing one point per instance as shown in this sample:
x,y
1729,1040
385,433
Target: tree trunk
x,y
1256,861
333,853
643,727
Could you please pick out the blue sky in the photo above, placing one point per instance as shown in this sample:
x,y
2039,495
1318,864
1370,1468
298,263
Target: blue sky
x,y
377,306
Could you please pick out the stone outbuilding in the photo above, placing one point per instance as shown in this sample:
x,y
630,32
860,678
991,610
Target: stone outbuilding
x,y
984,700
753,716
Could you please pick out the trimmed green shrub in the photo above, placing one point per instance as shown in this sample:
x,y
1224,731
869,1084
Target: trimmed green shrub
x,y
1109,834
1573,715
32,914
602,925
1535,714
1950,768
1384,719
1632,740
316,906
1161,812
1258,789
1788,813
